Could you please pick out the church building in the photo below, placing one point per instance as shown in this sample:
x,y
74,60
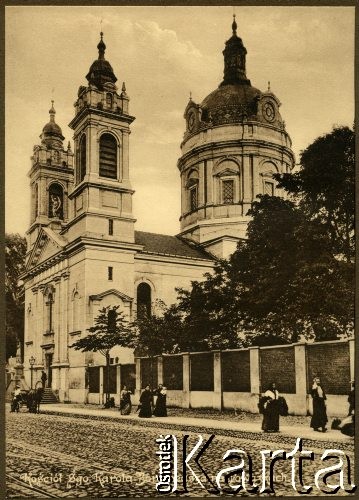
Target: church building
x,y
84,252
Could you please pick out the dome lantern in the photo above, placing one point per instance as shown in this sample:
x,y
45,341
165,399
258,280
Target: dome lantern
x,y
235,59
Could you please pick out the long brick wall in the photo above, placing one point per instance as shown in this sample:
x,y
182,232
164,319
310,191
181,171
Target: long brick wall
x,y
278,365
331,363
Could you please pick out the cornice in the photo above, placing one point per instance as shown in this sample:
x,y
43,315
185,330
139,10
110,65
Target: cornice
x,y
84,184
89,110
242,143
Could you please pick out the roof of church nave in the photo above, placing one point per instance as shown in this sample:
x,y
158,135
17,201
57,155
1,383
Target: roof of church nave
x,y
101,71
164,244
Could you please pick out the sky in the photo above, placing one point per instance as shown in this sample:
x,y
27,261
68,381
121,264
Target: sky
x,y
163,54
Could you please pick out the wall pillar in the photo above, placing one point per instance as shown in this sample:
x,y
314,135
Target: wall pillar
x,y
217,382
160,370
118,379
186,380
138,377
300,380
101,397
254,370
352,358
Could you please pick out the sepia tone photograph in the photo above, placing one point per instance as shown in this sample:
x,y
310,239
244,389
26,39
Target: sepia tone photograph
x,y
179,194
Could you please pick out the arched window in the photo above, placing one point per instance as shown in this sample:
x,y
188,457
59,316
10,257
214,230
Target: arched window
x,y
143,300
226,181
49,305
192,187
56,198
76,312
82,158
108,156
111,320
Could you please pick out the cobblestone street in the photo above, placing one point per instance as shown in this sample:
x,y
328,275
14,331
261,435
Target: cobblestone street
x,y
67,456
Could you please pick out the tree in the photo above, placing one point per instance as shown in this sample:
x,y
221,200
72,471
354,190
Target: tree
x,y
288,281
110,329
15,252
324,187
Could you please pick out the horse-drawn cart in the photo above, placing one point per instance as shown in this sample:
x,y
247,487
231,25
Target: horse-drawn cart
x,y
28,399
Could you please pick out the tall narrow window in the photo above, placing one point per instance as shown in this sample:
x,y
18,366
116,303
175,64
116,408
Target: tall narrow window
x,y
193,198
108,156
110,227
82,166
143,300
111,320
228,191
36,201
110,273
49,304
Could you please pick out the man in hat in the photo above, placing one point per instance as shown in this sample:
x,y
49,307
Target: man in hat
x,y
16,398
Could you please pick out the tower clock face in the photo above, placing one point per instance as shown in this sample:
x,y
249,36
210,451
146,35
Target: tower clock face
x,y
269,111
191,122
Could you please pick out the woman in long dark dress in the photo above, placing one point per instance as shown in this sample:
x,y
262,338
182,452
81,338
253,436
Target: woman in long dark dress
x,y
319,417
125,401
270,421
145,402
160,407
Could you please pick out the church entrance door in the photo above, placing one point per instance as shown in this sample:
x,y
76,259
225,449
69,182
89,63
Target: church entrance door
x,y
48,369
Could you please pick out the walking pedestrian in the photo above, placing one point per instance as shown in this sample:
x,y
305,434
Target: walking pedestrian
x,y
160,406
319,417
43,378
145,403
351,399
270,421
125,401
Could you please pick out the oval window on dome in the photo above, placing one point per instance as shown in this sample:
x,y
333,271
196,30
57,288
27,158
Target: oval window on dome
x,y
108,156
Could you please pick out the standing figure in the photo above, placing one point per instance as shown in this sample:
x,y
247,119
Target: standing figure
x,y
270,421
351,399
319,417
125,401
145,403
160,407
55,205
43,379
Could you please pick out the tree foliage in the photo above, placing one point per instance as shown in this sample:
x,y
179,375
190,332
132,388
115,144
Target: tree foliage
x,y
15,252
325,184
111,329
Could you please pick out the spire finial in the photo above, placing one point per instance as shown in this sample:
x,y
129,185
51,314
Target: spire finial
x,y
234,25
101,47
268,86
190,95
52,111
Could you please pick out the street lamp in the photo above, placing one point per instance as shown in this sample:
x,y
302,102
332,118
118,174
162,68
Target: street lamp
x,y
32,362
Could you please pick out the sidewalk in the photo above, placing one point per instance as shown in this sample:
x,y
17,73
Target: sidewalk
x,y
292,431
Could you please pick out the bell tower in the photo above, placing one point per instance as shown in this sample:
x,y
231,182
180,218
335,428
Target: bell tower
x,y
51,179
102,195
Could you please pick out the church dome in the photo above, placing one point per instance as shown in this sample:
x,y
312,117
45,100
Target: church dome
x,y
52,133
52,128
235,98
101,71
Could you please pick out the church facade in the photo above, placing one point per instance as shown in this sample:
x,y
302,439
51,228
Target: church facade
x,y
84,252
